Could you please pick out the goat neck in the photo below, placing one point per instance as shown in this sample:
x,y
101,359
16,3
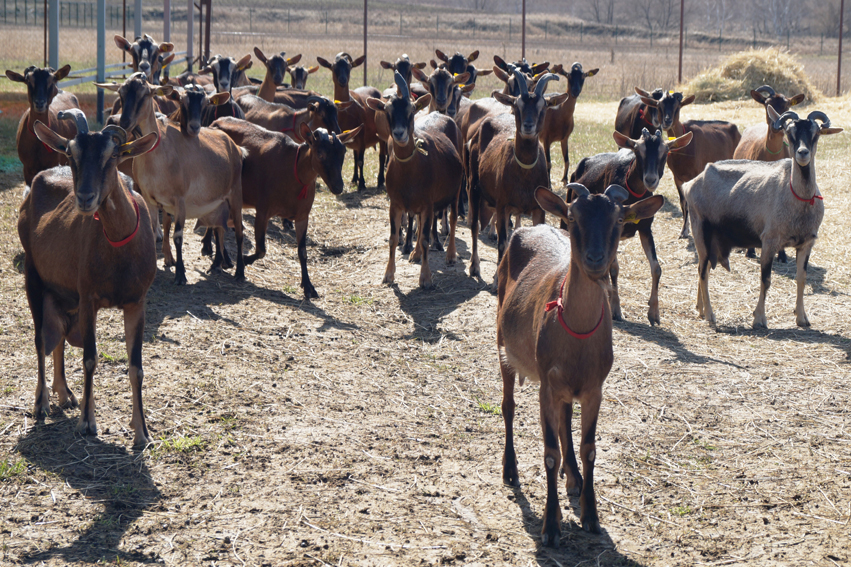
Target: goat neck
x,y
583,298
775,142
305,172
526,149
117,213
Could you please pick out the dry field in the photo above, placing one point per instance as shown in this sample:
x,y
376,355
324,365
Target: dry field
x,y
363,428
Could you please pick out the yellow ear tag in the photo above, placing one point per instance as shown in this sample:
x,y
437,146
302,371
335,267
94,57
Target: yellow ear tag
x,y
337,101
631,217
419,144
671,138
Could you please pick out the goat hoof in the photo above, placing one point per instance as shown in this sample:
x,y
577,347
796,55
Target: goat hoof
x,y
551,535
41,410
388,278
427,285
782,258
310,292
751,253
179,279
653,318
591,525
288,225
415,258
684,233
361,186
86,427
206,250
617,315
68,401
760,323
169,262
141,441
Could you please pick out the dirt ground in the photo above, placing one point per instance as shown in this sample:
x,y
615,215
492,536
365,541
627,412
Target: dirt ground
x,y
363,428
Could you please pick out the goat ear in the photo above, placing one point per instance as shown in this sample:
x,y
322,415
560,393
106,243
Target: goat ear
x,y
259,55
643,209
242,64
797,99
650,101
108,86
387,65
137,147
344,104
324,62
556,100
592,72
473,56
772,114
419,74
420,65
422,102
311,70
483,72
218,99
540,67
623,141
166,47
468,88
433,64
168,59
359,61
757,96
205,71
461,79
505,99
122,43
551,203
163,90
680,142
50,138
500,74
441,55
642,93
376,104
500,63
294,59
688,100
348,136
306,133
829,131
17,77
61,73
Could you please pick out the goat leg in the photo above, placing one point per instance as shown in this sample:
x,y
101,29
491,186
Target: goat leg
x,y
475,204
239,231
802,258
355,162
179,222
502,239
382,159
86,425
588,453
134,330
510,475
451,253
395,221
423,236
766,262
218,258
168,258
221,234
207,242
301,238
655,272
551,531
409,237
434,233
261,223
359,165
54,330
566,155
36,298
573,482
67,399
683,207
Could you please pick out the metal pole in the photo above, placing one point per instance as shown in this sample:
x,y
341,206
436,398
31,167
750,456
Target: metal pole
x,y
124,28
190,27
682,6
45,30
366,60
53,27
167,20
137,19
839,64
209,15
101,54
523,35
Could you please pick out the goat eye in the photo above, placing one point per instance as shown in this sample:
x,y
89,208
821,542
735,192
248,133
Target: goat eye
x,y
570,218
620,220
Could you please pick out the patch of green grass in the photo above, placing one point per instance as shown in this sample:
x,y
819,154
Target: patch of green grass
x,y
7,390
290,290
681,510
180,444
486,407
12,469
704,444
358,300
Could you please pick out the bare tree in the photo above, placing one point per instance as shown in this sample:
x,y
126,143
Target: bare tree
x,y
600,11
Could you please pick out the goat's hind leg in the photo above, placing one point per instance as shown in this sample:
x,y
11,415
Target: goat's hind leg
x,y
683,208
425,221
510,476
301,239
36,297
655,273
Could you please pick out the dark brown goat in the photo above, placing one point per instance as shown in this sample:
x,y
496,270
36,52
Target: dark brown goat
x,y
225,72
299,75
458,64
558,123
714,140
279,179
320,113
46,101
357,114
276,69
88,244
505,161
424,174
554,327
638,167
633,115
145,52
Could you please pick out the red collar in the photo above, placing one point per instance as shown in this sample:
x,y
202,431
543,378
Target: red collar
x,y
811,201
303,193
626,183
558,304
642,112
293,130
124,241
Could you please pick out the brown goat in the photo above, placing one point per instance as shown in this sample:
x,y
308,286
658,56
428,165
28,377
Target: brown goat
x,y
633,116
357,114
714,140
145,53
424,174
276,69
82,254
279,179
458,64
193,172
558,123
554,327
505,161
46,101
320,113
300,74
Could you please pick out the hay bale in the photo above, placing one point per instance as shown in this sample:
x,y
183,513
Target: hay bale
x,y
746,70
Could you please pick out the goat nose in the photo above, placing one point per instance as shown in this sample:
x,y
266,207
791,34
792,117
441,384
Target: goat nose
x,y
86,201
594,256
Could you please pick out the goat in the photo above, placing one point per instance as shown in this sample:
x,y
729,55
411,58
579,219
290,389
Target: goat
x,y
743,203
46,100
550,330
276,69
505,161
287,196
424,173
458,64
320,113
405,68
441,85
224,71
558,123
634,116
193,172
357,114
145,52
764,143
74,228
714,140
299,75
638,166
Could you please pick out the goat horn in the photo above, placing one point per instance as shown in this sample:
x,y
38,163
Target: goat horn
x,y
576,66
616,193
819,115
521,81
314,98
766,89
780,123
542,83
579,190
76,115
116,132
401,85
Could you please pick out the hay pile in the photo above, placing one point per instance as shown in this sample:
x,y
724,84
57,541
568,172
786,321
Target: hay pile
x,y
747,70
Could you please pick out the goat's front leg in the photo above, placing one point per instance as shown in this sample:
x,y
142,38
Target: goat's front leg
x,y
655,272
301,238
802,259
87,322
570,468
510,476
683,207
426,220
382,159
415,255
207,242
588,453
704,307
179,222
355,168
134,332
566,154
395,222
168,258
766,261
67,399
502,239
36,298
614,297
451,253
551,531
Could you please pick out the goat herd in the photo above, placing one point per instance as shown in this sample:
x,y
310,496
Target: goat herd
x,y
206,149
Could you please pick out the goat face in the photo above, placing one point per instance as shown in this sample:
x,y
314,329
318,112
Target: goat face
x,y
651,153
193,100
276,65
529,108
328,151
404,67
668,107
803,134
766,96
145,53
41,85
300,74
323,114
136,98
341,69
575,78
456,64
400,110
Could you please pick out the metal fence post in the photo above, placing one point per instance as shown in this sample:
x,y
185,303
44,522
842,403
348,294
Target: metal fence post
x,y
190,28
53,28
137,18
101,74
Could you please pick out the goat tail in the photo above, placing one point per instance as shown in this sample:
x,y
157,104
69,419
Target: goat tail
x,y
243,151
26,193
